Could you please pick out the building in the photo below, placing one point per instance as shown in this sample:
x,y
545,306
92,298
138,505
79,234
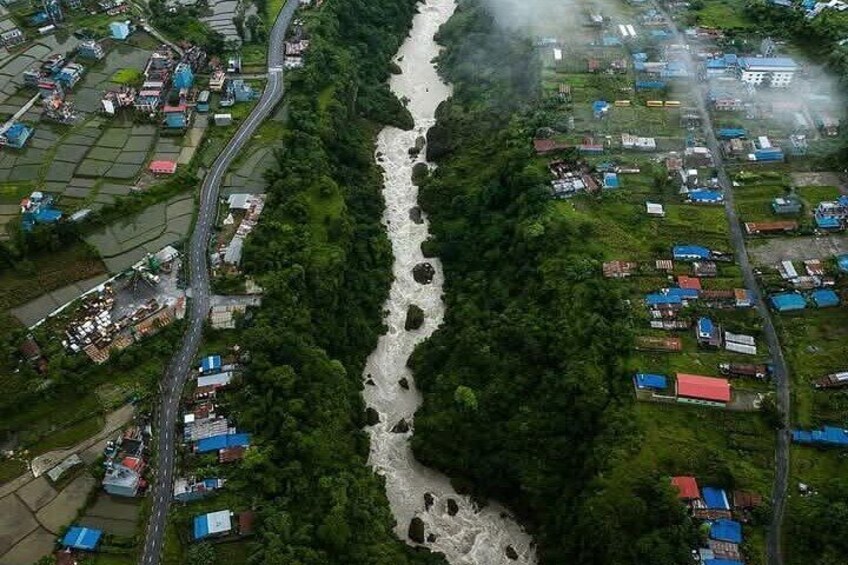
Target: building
x,y
120,30
687,488
213,524
825,298
176,117
690,252
190,489
788,302
202,102
231,454
715,498
122,480
827,436
691,283
788,205
655,209
707,391
705,196
704,269
216,379
619,269
776,72
12,37
81,538
653,343
210,364
90,49
222,441
163,167
763,228
648,381
708,333
15,136
222,119
183,76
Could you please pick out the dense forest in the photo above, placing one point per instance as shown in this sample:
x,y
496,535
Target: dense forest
x,y
323,258
526,397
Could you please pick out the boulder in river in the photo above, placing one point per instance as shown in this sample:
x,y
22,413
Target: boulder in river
x,y
370,382
404,383
428,501
401,427
416,530
431,538
453,507
423,273
415,215
419,173
372,417
511,553
414,317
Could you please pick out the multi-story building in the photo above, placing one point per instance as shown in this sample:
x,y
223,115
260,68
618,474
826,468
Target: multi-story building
x,y
776,72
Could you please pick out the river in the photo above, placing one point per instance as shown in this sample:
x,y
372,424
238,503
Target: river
x,y
452,524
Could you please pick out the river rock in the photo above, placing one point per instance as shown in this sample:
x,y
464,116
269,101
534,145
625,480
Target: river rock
x,y
428,501
416,530
404,383
372,417
511,553
414,318
453,507
423,273
370,382
419,173
401,427
415,215
431,538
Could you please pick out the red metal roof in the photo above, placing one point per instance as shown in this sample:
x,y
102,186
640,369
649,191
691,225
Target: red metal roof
x,y
168,167
689,282
687,487
704,388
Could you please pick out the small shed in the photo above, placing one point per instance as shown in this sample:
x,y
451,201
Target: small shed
x,y
690,252
222,119
649,381
78,537
210,364
120,30
687,487
212,524
163,167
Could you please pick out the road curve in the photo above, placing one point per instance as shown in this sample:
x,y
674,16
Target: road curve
x,y
178,368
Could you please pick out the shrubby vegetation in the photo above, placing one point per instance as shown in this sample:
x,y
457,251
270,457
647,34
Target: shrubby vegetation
x,y
526,396
324,261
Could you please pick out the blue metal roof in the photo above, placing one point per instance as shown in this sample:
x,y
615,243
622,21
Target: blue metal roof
x,y
715,498
828,222
726,530
650,84
824,298
842,262
722,562
702,195
649,380
658,299
788,301
201,527
82,538
222,441
705,326
732,133
683,292
695,251
828,435
611,180
210,363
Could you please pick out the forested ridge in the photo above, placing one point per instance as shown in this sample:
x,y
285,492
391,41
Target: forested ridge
x,y
526,394
324,261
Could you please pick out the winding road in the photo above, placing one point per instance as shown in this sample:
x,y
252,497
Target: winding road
x,y
780,372
178,369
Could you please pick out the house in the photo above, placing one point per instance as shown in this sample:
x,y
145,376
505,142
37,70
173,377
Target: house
x,y
726,530
825,298
788,302
787,205
705,196
202,102
213,524
762,228
776,72
183,77
82,538
666,265
217,379
122,480
619,269
222,119
629,141
842,262
190,489
704,269
814,267
715,498
655,209
90,49
120,30
706,391
746,500
163,167
648,381
611,180
827,436
743,298
210,364
708,333
15,136
691,283
687,487
690,252
740,343
222,441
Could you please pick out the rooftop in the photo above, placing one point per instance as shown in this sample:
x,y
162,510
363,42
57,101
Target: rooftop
x,y
705,388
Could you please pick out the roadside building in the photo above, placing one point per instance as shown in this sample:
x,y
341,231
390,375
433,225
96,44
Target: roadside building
x,y
210,364
776,72
705,196
191,489
788,302
223,441
825,298
706,391
222,119
122,480
830,436
213,524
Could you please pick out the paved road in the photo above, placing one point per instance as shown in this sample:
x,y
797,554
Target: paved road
x,y
178,369
781,372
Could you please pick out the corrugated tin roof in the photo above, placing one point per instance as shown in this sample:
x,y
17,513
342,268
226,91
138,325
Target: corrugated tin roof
x,y
705,388
687,487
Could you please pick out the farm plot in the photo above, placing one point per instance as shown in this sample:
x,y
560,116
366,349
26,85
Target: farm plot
x,y
128,241
248,176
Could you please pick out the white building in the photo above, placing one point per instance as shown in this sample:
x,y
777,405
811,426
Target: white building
x,y
776,72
